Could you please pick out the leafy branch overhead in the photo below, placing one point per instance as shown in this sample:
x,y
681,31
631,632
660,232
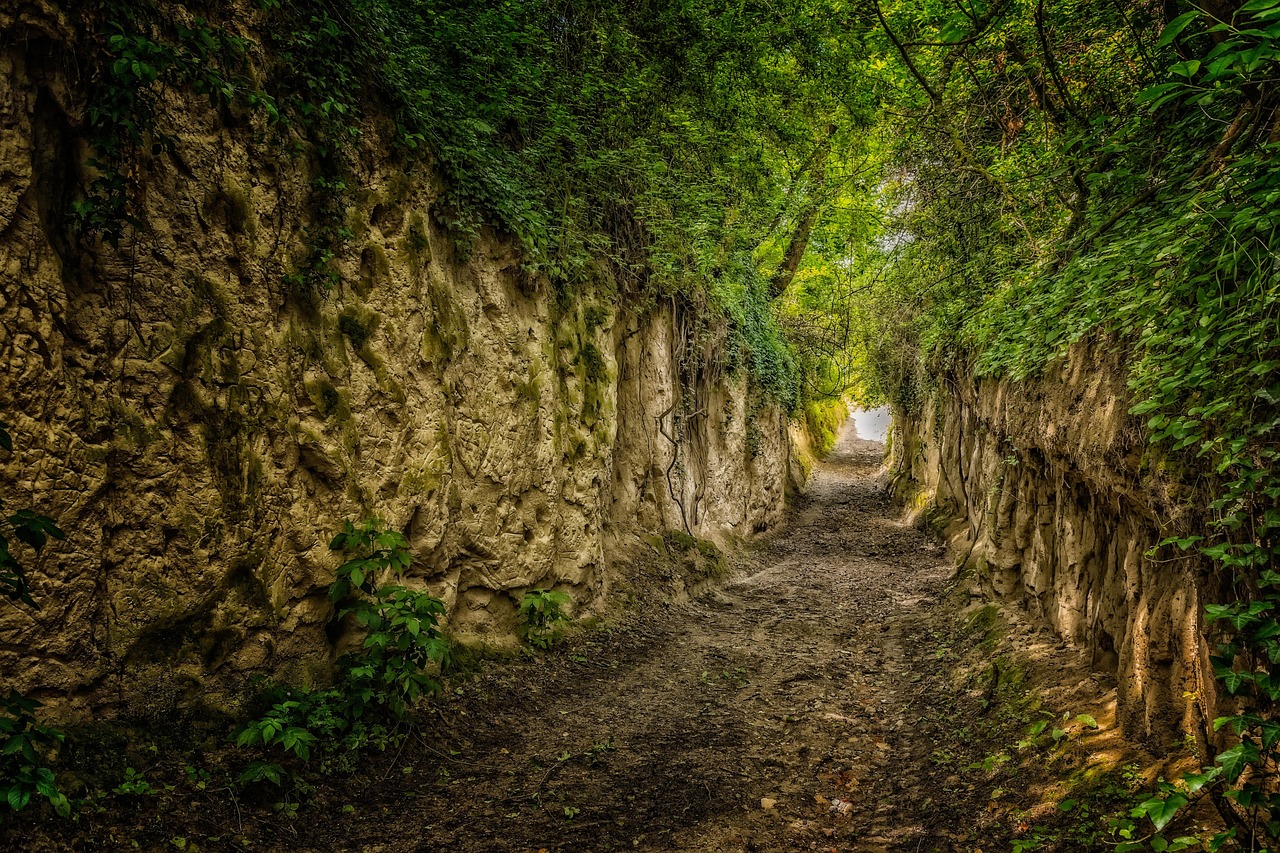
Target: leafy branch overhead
x,y
686,149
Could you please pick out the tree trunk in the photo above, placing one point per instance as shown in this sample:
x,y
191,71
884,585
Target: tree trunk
x,y
782,277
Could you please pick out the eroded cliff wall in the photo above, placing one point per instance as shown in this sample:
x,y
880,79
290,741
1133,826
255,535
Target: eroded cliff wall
x,y
200,432
1045,494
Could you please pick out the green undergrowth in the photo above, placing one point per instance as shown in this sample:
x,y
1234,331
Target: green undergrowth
x,y
542,617
401,659
178,781
397,663
205,771
823,419
700,558
1042,773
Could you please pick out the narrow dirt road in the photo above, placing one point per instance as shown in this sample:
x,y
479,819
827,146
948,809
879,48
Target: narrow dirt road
x,y
840,693
782,711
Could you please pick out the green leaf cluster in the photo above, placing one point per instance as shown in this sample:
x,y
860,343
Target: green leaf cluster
x,y
401,650
402,638
542,617
143,51
24,748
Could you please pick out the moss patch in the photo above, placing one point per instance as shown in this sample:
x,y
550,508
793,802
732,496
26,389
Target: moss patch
x,y
375,268
701,558
448,335
197,629
357,326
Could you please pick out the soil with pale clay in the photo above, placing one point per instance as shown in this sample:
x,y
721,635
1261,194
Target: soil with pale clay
x,y
837,693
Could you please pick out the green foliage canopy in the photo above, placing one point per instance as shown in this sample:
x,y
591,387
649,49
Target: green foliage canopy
x,y
671,144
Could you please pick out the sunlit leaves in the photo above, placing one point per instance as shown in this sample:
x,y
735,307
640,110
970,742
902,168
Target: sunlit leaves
x,y
1161,810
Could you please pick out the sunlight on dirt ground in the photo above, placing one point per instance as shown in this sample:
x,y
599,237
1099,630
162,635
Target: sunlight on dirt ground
x,y
842,693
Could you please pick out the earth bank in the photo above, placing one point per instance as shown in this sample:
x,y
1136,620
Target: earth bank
x,y
201,428
844,690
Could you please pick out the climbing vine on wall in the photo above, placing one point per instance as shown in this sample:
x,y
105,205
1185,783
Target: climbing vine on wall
x,y
136,62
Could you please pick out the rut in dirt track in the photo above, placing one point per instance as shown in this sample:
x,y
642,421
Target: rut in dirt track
x,y
780,711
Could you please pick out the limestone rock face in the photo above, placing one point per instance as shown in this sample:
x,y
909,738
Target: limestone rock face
x,y
1044,492
200,429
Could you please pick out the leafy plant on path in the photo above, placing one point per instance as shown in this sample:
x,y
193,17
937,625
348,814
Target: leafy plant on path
x,y
403,641
394,666
24,747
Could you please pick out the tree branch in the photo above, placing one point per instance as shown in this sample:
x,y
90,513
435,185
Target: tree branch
x,y
906,58
784,275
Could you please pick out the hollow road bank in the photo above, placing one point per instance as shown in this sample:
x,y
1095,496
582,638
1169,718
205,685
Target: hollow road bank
x,y
812,703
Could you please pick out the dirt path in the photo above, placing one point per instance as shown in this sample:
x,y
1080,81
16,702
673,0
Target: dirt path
x,y
778,712
841,695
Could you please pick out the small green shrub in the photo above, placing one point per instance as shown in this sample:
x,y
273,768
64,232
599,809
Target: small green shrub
x,y
279,728
542,617
134,784
404,639
402,648
24,749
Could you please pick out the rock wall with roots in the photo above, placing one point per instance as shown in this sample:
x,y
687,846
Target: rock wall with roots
x,y
200,428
